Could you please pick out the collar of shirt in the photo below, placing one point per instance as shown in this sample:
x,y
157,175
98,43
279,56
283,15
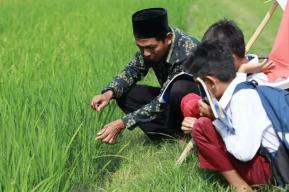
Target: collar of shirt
x,y
226,97
176,53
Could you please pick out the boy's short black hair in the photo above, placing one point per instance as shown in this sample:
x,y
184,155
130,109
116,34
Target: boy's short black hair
x,y
228,32
211,58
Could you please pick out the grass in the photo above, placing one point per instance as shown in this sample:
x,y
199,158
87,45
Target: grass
x,y
54,56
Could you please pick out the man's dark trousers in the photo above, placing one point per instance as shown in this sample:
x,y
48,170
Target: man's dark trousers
x,y
168,124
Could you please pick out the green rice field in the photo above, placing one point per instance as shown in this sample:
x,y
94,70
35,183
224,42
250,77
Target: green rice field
x,y
55,55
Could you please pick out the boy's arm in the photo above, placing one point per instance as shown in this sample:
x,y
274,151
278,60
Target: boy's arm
x,y
255,68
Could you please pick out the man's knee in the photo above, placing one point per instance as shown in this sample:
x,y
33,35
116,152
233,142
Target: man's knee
x,y
121,103
177,92
181,88
136,97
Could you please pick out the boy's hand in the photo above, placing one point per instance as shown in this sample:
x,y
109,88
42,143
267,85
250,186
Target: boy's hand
x,y
256,68
268,65
187,124
205,110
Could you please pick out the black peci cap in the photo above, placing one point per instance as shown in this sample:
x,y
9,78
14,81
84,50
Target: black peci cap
x,y
149,23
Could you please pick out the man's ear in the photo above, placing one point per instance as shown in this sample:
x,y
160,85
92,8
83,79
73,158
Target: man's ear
x,y
169,38
235,57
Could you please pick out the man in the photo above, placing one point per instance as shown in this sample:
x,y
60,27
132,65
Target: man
x,y
164,49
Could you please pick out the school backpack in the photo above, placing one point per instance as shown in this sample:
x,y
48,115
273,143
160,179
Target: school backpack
x,y
276,104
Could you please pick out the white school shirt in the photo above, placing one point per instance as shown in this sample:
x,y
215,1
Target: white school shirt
x,y
250,121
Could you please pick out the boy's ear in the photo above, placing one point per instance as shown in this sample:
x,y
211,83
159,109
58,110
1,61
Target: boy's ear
x,y
236,61
210,82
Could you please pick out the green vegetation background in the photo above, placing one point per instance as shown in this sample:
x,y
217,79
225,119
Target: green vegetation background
x,y
54,57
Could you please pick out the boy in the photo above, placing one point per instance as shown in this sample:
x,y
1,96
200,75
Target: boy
x,y
234,155
227,32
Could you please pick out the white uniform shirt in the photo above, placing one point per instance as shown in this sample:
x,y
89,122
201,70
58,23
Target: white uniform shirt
x,y
250,121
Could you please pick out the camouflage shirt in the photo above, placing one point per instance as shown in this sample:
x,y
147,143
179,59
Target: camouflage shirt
x,y
137,68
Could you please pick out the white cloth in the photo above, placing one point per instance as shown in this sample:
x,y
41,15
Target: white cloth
x,y
250,121
282,3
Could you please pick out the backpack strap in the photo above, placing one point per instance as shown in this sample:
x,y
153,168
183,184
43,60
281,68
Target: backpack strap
x,y
246,85
276,104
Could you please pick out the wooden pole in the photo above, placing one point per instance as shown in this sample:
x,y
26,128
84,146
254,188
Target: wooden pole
x,y
261,26
186,152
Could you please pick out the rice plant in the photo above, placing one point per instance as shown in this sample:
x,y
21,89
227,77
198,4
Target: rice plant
x,y
54,56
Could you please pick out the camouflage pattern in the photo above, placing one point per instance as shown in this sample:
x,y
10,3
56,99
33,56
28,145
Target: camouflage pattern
x,y
137,68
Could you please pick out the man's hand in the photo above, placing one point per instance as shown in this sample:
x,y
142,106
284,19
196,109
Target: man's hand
x,y
205,110
100,101
109,132
187,124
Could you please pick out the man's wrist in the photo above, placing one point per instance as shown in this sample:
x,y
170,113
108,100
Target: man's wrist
x,y
129,121
121,124
108,94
